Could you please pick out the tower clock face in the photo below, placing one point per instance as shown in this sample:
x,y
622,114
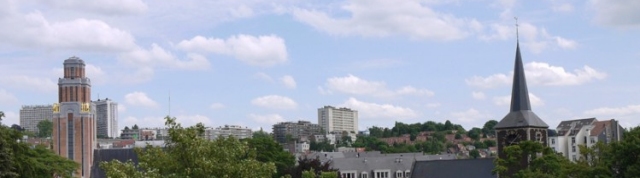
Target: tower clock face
x,y
512,138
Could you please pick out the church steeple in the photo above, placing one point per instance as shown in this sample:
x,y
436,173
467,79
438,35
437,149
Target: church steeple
x,y
519,91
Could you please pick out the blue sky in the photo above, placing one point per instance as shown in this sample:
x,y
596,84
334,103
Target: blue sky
x,y
255,63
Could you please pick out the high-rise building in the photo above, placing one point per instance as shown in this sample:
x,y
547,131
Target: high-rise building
x,y
74,124
300,130
334,120
520,124
106,118
31,115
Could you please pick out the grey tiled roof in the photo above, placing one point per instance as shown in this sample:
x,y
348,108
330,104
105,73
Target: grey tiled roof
x,y
572,127
520,114
459,168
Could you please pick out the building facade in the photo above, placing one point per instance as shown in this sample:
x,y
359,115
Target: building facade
x,y
228,130
301,130
333,119
74,124
520,124
31,115
106,118
586,132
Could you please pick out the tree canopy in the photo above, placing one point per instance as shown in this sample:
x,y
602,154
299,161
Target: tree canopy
x,y
188,154
45,128
19,159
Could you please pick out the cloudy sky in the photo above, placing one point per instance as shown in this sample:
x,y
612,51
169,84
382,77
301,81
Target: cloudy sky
x,y
255,63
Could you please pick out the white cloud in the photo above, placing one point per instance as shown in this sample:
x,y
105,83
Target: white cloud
x,y
107,7
122,108
539,73
478,95
157,56
433,105
140,99
10,118
140,75
533,38
29,83
217,106
190,120
288,81
471,116
7,98
34,30
263,76
618,13
96,74
613,112
275,102
562,7
354,85
267,119
506,100
241,11
262,51
381,18
379,111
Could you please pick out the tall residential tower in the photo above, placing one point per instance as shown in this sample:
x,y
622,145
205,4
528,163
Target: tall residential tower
x,y
338,119
74,133
106,118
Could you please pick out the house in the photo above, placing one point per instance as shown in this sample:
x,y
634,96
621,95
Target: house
x,y
589,131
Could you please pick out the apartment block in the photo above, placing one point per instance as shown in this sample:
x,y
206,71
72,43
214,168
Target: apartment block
x,y
31,115
589,131
301,130
106,118
333,119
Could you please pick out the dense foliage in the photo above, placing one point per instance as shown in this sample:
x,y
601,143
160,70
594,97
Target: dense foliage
x,y
188,154
312,166
617,159
269,151
45,128
19,159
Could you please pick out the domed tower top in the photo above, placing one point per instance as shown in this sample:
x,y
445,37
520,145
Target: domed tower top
x,y
74,68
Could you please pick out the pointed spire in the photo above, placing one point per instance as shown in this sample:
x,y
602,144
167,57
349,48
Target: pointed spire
x,y
519,92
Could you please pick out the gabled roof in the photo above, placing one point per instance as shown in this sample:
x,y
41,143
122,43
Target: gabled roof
x,y
393,162
457,168
520,114
599,127
572,127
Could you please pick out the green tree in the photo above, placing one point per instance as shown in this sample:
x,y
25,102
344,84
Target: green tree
x,y
543,162
624,154
19,159
45,128
314,166
490,143
188,154
271,152
1,116
474,133
448,125
135,127
487,129
474,153
458,136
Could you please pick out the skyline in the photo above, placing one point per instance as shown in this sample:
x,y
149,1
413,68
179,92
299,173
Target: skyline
x,y
256,63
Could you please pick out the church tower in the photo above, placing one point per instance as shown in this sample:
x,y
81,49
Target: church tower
x,y
74,134
520,124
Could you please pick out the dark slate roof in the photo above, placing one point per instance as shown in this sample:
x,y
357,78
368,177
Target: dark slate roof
x,y
572,127
458,168
520,114
393,162
100,155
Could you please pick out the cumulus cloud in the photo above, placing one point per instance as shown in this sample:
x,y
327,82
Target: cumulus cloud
x,y
506,100
618,13
614,111
122,108
381,18
140,99
106,7
288,81
263,76
275,102
470,116
217,106
562,7
262,51
267,119
7,98
34,30
478,95
539,73
355,85
536,39
158,56
379,111
29,83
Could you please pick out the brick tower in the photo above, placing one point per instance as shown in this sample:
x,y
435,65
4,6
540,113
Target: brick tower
x,y
74,134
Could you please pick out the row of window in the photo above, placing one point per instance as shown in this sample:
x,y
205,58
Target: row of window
x,y
376,174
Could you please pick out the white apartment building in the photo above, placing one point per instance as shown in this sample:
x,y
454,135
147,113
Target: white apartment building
x,y
228,130
333,119
31,115
106,118
587,132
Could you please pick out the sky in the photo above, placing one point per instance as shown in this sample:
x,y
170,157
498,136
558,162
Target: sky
x,y
255,63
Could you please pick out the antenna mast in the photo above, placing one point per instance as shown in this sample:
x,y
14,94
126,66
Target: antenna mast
x,y
517,35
